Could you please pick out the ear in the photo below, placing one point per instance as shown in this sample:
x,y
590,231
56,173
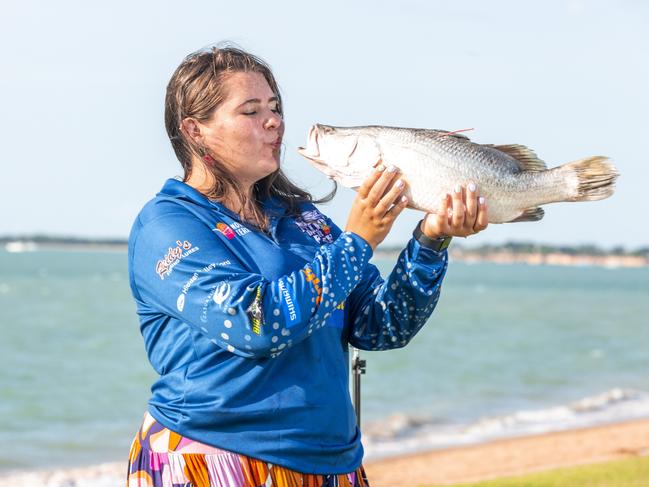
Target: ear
x,y
192,129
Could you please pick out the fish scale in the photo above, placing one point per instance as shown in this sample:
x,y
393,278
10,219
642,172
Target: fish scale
x,y
514,181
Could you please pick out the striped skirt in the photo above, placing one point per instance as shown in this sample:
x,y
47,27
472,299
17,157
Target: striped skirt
x,y
160,457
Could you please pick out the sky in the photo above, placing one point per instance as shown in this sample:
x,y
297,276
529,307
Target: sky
x,y
84,145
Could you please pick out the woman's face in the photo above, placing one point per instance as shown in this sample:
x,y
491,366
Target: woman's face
x,y
245,131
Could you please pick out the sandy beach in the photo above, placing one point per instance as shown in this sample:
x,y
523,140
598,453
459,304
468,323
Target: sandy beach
x,y
513,456
486,461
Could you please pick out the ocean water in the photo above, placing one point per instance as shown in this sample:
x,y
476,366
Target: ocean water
x,y
510,350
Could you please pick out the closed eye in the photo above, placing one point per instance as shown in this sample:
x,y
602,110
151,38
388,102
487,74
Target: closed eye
x,y
275,107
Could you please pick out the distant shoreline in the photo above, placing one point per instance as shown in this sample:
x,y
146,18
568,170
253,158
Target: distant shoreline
x,y
554,258
510,253
506,257
21,247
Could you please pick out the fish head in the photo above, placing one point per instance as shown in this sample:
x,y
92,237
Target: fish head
x,y
346,154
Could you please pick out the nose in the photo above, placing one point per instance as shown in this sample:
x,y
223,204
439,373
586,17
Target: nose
x,y
273,121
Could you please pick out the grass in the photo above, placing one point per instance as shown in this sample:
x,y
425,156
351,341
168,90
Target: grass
x,y
631,472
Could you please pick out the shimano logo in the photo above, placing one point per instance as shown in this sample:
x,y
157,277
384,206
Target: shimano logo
x,y
288,301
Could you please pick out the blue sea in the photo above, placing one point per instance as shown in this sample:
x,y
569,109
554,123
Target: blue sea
x,y
510,350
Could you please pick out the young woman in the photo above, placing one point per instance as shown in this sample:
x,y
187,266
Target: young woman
x,y
248,296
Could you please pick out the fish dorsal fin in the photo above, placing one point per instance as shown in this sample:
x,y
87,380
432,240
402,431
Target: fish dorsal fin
x,y
525,156
455,133
436,134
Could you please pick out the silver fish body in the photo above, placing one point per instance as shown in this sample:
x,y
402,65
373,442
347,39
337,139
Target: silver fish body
x,y
513,179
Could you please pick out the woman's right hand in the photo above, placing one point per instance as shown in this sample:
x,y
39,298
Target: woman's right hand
x,y
379,201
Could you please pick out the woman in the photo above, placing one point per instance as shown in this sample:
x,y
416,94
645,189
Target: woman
x,y
248,296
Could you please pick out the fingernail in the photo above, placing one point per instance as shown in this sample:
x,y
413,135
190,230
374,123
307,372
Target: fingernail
x,y
404,199
392,168
481,200
472,187
399,183
457,189
380,168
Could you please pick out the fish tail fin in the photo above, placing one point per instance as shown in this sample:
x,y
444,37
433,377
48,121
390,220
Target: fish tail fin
x,y
590,179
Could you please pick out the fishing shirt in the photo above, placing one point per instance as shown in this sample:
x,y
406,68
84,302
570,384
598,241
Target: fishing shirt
x,y
249,331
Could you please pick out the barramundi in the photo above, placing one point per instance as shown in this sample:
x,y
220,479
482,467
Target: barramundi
x,y
512,178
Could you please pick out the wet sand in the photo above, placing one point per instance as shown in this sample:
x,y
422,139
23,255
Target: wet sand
x,y
486,461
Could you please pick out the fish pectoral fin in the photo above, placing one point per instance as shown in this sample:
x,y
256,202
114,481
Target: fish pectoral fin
x,y
533,214
526,157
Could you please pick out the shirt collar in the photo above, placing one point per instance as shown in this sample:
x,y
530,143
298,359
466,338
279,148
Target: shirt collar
x,y
175,188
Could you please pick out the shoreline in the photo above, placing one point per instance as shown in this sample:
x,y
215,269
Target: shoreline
x,y
611,261
554,258
495,459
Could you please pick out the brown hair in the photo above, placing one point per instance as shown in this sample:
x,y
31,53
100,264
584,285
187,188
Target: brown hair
x,y
195,90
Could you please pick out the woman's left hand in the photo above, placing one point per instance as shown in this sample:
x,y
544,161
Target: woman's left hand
x,y
461,214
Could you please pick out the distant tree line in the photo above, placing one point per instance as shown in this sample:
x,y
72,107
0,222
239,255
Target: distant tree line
x,y
536,248
509,247
582,249
61,240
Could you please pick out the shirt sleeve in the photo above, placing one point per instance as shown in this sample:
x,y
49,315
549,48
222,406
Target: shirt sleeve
x,y
387,314
181,267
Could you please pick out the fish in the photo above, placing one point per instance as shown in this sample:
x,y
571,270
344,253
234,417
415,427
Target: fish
x,y
512,178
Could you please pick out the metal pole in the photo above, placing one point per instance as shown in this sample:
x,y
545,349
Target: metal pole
x,y
358,368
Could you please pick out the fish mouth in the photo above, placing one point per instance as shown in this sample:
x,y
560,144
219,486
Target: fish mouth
x,y
312,152
312,149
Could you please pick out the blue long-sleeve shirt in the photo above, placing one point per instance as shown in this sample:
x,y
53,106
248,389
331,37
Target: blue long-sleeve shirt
x,y
249,331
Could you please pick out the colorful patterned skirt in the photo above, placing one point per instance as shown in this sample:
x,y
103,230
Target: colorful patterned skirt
x,y
160,457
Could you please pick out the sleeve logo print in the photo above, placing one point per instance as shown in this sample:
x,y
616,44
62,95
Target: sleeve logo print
x,y
315,282
313,223
180,302
288,305
256,313
165,266
221,293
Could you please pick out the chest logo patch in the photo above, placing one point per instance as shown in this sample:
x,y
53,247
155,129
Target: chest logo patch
x,y
314,224
225,230
232,230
